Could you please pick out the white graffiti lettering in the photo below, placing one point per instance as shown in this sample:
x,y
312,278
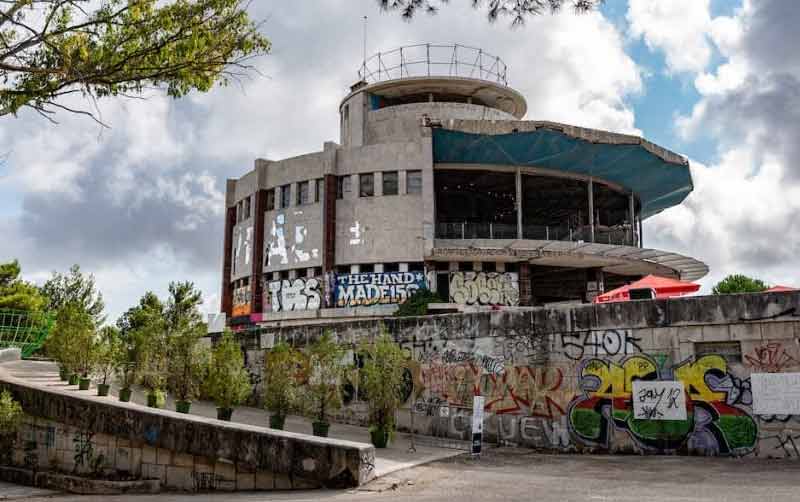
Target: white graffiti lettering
x,y
292,295
484,288
377,288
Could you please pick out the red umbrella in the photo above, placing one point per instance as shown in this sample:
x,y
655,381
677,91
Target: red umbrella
x,y
664,287
780,289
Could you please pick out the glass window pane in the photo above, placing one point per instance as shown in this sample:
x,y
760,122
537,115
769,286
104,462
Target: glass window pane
x,y
367,188
302,193
285,196
414,182
390,185
270,200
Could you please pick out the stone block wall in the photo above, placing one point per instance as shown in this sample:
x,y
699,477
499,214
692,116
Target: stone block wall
x,y
563,378
97,436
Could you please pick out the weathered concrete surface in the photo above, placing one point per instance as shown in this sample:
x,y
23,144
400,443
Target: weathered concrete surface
x,y
521,475
7,355
183,451
9,491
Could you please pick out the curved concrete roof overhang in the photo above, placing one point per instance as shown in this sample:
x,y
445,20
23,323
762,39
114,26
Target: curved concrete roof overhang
x,y
658,177
491,93
621,260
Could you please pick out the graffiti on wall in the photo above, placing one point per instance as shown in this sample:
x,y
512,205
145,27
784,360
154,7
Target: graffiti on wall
x,y
713,421
280,252
357,290
776,394
771,357
609,342
242,242
660,400
484,288
292,295
241,300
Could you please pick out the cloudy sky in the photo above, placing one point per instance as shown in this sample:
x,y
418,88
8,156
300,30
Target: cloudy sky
x,y
142,203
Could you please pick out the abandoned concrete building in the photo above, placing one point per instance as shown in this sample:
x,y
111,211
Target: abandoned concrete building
x,y
437,182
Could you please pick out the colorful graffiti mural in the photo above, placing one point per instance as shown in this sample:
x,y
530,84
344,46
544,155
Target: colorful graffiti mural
x,y
356,290
713,419
241,301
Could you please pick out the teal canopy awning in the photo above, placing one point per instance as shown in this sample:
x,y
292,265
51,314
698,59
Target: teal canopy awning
x,y
657,182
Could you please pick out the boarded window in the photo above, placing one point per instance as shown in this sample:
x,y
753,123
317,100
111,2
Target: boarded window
x,y
390,185
731,351
366,185
342,186
286,191
414,182
302,193
270,200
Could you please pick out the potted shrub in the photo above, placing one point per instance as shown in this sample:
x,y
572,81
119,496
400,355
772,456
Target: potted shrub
x,y
10,419
381,379
106,358
323,391
152,359
187,364
227,381
280,383
67,343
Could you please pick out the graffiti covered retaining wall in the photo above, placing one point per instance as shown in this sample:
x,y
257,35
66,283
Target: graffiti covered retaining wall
x,y
602,377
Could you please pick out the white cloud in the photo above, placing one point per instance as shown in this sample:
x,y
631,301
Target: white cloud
x,y
679,28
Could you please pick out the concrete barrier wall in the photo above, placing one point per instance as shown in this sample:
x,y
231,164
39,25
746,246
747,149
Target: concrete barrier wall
x,y
89,435
563,378
7,355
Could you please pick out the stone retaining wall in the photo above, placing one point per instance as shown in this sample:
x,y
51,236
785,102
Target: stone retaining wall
x,y
87,435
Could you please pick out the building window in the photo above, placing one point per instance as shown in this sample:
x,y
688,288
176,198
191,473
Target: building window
x,y
390,184
286,191
366,186
318,187
342,186
413,182
302,193
416,266
270,200
489,266
731,351
367,268
247,208
391,267
343,269
317,272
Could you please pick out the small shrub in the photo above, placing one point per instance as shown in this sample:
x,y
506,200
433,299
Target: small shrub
x,y
417,303
227,383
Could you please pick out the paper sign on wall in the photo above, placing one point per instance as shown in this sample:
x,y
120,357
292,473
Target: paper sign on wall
x,y
477,424
775,393
662,400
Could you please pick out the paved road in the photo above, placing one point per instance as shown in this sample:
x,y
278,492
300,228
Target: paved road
x,y
523,475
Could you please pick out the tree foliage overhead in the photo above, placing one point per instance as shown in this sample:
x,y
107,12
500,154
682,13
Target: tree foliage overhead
x,y
75,288
98,48
517,10
738,283
16,293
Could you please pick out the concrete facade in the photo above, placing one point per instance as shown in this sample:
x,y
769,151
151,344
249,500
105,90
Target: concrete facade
x,y
563,379
318,225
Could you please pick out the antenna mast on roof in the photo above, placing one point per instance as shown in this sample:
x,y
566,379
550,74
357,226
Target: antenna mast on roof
x,y
364,61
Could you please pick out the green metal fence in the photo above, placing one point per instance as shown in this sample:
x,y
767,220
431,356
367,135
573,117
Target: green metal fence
x,y
24,330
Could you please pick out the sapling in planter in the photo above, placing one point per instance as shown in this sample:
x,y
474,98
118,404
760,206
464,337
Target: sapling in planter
x,y
227,380
187,365
382,380
322,393
106,360
280,383
10,420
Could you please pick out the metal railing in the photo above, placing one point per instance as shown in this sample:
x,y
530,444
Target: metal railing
x,y
622,235
425,60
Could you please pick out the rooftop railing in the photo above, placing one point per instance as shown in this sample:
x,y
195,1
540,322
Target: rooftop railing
x,y
421,60
621,235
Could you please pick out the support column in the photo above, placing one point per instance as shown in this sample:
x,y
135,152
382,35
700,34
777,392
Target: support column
x,y
591,210
518,183
257,259
641,234
525,286
632,217
594,283
227,291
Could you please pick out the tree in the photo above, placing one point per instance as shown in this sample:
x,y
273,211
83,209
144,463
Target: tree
x,y
738,283
322,392
417,304
227,383
55,48
16,293
77,289
383,381
518,10
280,383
